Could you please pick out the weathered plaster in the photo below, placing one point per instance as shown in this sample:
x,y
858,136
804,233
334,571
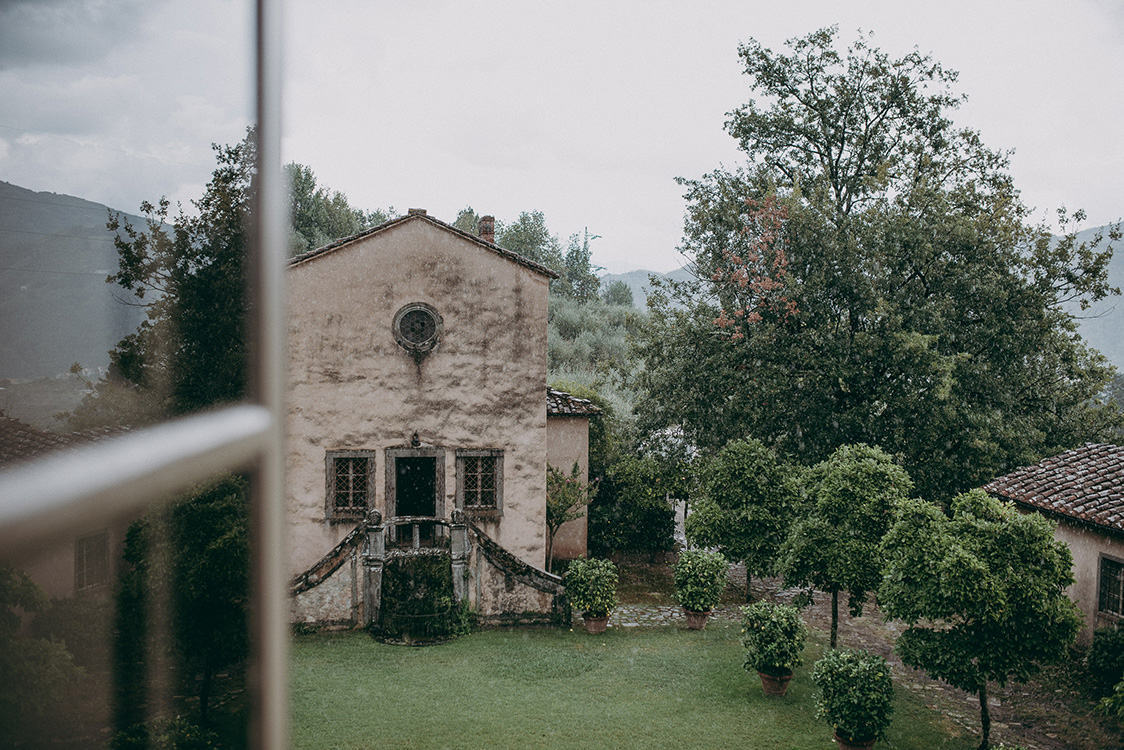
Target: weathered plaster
x,y
1087,546
352,387
567,441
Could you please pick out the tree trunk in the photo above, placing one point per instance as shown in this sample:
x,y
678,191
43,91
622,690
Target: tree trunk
x,y
748,593
834,617
985,718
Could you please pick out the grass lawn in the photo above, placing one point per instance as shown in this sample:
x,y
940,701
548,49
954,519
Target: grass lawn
x,y
631,688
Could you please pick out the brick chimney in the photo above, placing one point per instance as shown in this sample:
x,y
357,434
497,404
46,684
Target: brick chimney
x,y
487,229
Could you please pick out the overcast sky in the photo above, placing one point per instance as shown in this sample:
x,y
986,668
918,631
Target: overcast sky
x,y
586,111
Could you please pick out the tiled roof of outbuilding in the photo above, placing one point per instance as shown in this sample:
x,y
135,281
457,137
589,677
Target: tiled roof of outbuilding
x,y
20,441
421,215
1086,484
562,404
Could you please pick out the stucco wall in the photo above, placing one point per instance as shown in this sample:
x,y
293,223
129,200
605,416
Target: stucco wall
x,y
352,387
567,442
1087,547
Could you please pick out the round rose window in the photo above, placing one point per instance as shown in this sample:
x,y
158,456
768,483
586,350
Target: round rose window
x,y
417,327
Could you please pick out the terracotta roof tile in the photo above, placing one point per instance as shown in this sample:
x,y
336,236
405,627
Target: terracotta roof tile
x,y
514,257
562,404
20,441
1085,483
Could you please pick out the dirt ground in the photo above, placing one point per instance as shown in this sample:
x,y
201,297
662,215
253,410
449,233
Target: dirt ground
x,y
1053,712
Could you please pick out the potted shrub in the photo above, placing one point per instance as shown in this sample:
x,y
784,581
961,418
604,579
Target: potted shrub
x,y
856,696
700,578
773,636
591,586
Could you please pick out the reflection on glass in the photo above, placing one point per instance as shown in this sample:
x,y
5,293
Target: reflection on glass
x,y
132,631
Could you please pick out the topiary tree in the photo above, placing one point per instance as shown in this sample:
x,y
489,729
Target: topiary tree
x,y
835,546
982,590
749,498
700,579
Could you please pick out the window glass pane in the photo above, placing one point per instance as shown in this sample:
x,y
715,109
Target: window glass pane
x,y
121,235
140,626
122,256
1112,586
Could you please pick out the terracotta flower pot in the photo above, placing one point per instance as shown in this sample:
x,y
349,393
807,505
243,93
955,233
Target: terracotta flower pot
x,y
853,744
595,625
775,684
696,620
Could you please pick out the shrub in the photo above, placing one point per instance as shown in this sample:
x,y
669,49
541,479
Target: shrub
x,y
417,598
773,637
1105,660
856,693
165,734
631,512
83,624
700,578
591,585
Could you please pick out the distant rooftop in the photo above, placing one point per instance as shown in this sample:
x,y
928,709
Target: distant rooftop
x,y
562,404
1085,484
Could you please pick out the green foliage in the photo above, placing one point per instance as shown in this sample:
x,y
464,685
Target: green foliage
x,y
1113,705
1105,660
468,221
34,672
835,545
591,585
528,235
578,279
165,734
773,636
856,693
566,499
748,500
982,591
194,554
700,579
920,293
317,215
418,604
632,512
82,623
618,293
590,336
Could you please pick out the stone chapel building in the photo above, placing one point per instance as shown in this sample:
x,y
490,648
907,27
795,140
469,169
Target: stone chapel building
x,y
418,421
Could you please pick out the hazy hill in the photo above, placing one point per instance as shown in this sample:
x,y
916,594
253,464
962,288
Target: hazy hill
x,y
638,282
55,305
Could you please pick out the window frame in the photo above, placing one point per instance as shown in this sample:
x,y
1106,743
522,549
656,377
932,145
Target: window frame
x,y
53,498
480,511
331,511
1102,587
82,560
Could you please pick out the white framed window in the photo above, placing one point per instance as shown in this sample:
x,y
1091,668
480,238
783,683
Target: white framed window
x,y
480,481
91,561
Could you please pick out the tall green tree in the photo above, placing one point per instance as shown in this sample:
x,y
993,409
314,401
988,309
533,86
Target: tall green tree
x,y
982,591
581,282
871,276
749,499
318,215
836,543
529,236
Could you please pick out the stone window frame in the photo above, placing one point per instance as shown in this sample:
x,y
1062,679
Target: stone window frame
x,y
418,348
481,511
91,561
392,456
1103,585
346,513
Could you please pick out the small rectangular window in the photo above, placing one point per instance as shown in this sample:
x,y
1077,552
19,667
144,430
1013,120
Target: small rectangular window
x,y
480,481
349,483
1112,586
91,561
